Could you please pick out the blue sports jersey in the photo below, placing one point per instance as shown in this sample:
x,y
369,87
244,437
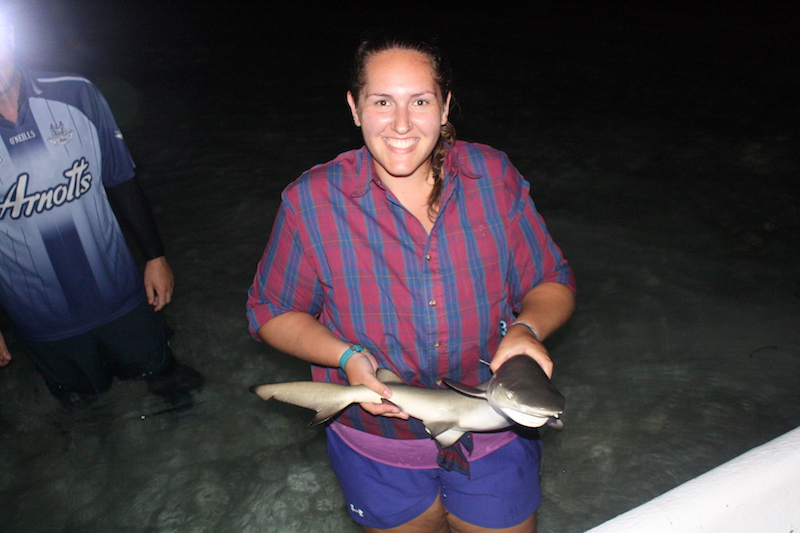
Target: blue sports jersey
x,y
65,267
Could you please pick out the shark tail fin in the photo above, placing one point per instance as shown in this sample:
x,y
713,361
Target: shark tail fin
x,y
327,399
265,392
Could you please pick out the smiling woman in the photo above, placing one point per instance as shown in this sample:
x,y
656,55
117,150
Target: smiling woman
x,y
407,254
425,107
401,111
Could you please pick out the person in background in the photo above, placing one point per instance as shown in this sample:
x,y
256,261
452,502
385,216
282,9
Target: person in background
x,y
75,298
407,254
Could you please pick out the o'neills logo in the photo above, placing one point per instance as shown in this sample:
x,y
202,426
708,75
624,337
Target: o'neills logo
x,y
18,202
26,136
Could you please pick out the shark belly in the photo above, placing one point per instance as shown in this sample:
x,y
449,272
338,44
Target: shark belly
x,y
447,415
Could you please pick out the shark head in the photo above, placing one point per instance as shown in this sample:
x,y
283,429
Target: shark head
x,y
522,391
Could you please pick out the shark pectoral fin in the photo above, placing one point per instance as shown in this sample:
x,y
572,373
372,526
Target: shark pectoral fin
x,y
449,437
465,389
436,428
555,423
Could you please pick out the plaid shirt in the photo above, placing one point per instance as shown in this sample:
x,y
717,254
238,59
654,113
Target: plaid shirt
x,y
428,306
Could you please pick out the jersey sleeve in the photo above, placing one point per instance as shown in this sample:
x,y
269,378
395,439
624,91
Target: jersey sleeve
x,y
118,165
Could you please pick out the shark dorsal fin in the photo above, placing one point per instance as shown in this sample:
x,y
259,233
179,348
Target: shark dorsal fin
x,y
387,376
476,392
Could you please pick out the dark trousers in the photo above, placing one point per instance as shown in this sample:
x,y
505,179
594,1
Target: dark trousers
x,y
133,346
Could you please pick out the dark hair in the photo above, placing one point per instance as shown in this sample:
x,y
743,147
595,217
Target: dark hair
x,y
377,41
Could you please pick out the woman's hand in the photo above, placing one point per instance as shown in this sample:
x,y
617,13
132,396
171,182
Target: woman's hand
x,y
520,340
545,307
360,370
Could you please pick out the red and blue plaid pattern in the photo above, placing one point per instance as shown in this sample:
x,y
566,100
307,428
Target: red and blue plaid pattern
x,y
344,249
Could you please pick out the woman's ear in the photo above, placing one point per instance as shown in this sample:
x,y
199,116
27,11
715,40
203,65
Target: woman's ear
x,y
446,109
353,109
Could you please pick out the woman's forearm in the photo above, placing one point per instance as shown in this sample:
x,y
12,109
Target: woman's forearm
x,y
547,307
303,336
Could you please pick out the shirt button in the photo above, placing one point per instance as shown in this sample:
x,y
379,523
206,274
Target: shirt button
x,y
427,257
437,344
432,303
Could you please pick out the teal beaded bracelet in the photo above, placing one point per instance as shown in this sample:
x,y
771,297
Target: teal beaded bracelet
x,y
354,348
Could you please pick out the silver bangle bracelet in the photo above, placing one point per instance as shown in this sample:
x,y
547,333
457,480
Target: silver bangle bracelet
x,y
533,330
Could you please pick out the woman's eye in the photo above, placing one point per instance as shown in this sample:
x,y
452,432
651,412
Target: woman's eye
x,y
421,102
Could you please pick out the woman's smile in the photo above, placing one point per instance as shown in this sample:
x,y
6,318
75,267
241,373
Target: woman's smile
x,y
401,112
401,144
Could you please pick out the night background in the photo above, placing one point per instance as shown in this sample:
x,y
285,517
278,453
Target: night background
x,y
661,143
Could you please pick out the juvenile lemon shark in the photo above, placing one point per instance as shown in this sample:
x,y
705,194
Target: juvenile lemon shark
x,y
518,392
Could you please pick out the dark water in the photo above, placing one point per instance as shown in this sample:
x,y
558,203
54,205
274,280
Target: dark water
x,y
662,147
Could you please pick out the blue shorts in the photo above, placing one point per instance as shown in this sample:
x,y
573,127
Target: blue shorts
x,y
502,489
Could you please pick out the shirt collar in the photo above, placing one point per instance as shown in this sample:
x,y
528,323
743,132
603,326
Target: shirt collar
x,y
365,173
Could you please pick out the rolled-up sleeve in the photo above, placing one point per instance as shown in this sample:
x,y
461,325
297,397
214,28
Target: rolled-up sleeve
x,y
536,258
285,280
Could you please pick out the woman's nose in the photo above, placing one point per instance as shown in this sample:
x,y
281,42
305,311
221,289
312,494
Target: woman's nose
x,y
402,121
